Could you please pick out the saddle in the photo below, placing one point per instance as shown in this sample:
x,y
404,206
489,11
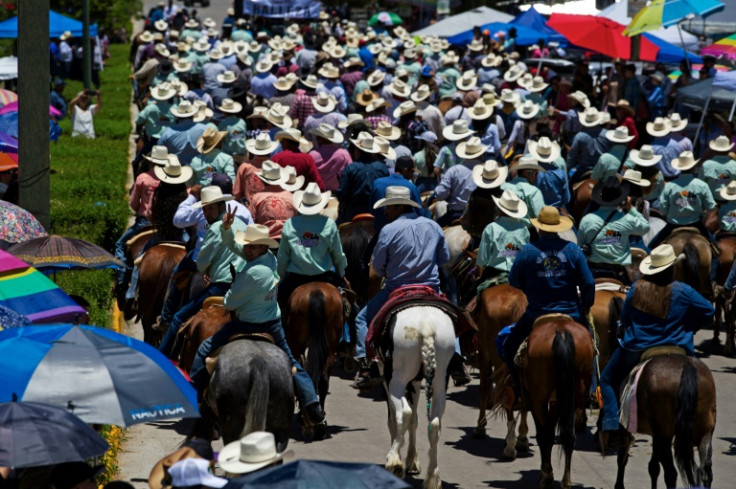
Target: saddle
x,y
170,244
689,229
213,301
611,285
579,184
411,296
725,235
211,361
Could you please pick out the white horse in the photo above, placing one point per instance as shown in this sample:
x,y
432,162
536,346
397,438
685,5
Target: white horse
x,y
423,337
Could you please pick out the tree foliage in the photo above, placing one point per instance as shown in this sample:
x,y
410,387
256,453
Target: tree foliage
x,y
109,14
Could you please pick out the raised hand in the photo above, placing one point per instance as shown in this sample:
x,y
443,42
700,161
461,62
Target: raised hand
x,y
228,218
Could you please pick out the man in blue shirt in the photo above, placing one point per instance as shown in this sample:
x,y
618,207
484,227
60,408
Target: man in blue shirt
x,y
356,180
56,98
181,137
403,173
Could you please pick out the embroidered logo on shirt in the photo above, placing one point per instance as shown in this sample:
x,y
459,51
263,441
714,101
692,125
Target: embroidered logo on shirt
x,y
686,199
611,237
509,251
553,264
308,240
730,217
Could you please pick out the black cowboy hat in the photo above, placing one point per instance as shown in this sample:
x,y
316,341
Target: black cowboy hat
x,y
611,192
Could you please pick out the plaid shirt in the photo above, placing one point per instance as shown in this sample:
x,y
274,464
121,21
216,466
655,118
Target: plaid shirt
x,y
375,119
302,107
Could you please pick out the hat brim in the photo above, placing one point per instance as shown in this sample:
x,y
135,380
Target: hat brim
x,y
452,136
503,173
169,95
271,243
679,127
186,174
466,86
394,136
337,137
597,196
261,152
404,94
634,156
323,109
510,77
398,111
287,123
310,210
471,156
183,115
530,166
236,109
597,122
373,150
725,195
657,134
611,136
395,201
156,161
676,164
224,198
293,187
518,214
203,148
712,146
564,224
416,98
554,154
526,116
646,268
534,89
481,117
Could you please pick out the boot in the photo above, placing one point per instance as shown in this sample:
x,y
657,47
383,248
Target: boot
x,y
456,370
368,375
159,325
315,414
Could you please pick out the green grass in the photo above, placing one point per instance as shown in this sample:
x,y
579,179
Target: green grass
x,y
88,183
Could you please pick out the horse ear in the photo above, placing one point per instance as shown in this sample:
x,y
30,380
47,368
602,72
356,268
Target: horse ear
x,y
232,272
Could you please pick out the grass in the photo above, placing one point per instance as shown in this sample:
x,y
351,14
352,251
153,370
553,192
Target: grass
x,y
88,179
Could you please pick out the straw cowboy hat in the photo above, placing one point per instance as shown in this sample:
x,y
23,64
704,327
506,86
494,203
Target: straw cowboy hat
x,y
271,173
172,171
491,61
366,142
209,140
159,155
328,132
458,131
181,65
528,110
254,234
194,472
620,135
661,258
480,111
467,81
387,131
261,145
544,150
310,81
330,71
721,144
476,45
278,116
611,192
180,87
209,23
514,73
489,174
634,176
421,94
292,182
537,85
550,220
384,148
405,107
290,133
284,84
528,162
677,123
376,104
203,112
684,162
728,192
450,59
227,77
145,37
660,127
511,97
510,204
624,105
365,97
184,110
590,117
396,195
351,121
255,450
471,149
230,106
580,98
216,54
264,65
212,194
354,61
191,24
399,88
376,78
324,103
525,80
644,156
163,91
311,201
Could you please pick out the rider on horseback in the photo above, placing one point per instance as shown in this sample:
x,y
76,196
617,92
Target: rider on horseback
x,y
549,271
524,184
657,311
252,298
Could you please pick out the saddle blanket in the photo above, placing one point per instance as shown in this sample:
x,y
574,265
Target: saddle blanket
x,y
410,296
628,411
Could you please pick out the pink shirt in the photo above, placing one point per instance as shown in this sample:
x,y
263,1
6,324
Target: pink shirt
x,y
331,159
272,209
247,183
141,199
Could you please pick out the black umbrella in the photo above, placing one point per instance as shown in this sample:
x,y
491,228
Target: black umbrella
x,y
319,474
34,434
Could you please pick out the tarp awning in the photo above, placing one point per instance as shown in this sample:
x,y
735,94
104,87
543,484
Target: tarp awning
x,y
462,22
58,25
696,95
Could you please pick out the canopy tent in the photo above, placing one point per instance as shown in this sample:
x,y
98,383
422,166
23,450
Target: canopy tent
x,y
465,21
8,68
696,96
534,20
669,53
578,7
58,25
525,36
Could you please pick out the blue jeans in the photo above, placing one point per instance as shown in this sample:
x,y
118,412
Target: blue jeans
x,y
305,391
364,318
140,223
173,295
731,280
186,312
619,366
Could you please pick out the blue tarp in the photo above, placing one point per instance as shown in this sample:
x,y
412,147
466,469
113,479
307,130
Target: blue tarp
x,y
58,25
669,53
534,20
525,36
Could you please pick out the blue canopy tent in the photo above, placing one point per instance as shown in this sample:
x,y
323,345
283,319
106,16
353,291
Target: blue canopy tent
x,y
58,25
669,53
534,20
525,36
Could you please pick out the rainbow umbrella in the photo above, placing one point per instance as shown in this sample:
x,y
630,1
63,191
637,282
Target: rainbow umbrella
x,y
666,13
695,71
726,47
7,97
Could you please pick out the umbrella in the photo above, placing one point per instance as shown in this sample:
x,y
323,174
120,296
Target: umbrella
x,y
8,143
318,474
60,253
666,13
102,376
18,224
8,161
525,36
601,35
30,293
726,47
11,319
385,18
7,97
35,434
13,107
695,71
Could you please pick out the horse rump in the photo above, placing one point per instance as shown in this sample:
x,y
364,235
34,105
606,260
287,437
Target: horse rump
x,y
687,400
563,349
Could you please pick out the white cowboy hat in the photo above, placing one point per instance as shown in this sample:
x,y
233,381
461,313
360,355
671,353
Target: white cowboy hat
x,y
728,192
145,37
410,53
203,112
181,65
209,23
405,107
399,89
354,61
580,98
311,200
620,135
376,103
184,110
528,110
202,45
421,94
458,131
264,65
550,220
271,173
525,80
476,45
329,70
376,78
634,176
292,182
290,134
351,121
660,127
661,258
163,91
178,85
467,81
489,174
721,144
528,162
396,195
227,77
159,155
216,54
324,103
191,24
537,85
254,234
544,150
366,142
509,96
283,84
590,117
329,133
230,106
386,130
450,59
172,171
212,195
514,73
310,81
684,162
162,50
261,145
471,149
384,147
491,61
278,116
677,123
194,472
480,111
510,204
337,52
644,156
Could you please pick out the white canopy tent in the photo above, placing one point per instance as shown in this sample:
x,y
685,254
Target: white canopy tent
x,y
463,22
8,68
578,7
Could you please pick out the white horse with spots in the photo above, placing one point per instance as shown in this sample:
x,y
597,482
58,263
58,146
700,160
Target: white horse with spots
x,y
423,338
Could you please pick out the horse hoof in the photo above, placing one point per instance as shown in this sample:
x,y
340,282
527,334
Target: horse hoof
x,y
479,433
522,445
350,365
509,453
414,468
396,469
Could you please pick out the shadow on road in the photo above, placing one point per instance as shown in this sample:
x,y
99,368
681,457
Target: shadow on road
x,y
416,482
181,426
487,447
465,397
529,478
731,446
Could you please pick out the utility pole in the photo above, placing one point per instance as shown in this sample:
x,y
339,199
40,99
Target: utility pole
x,y
87,51
33,113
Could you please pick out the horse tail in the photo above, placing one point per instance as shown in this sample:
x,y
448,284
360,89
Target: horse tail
x,y
318,349
563,348
691,266
429,359
257,409
687,401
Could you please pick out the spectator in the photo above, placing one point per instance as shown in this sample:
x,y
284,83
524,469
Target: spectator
x,y
82,113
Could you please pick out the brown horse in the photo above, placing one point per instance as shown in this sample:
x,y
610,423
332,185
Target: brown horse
x,y
315,322
695,269
724,300
556,374
606,312
201,326
582,196
676,399
354,237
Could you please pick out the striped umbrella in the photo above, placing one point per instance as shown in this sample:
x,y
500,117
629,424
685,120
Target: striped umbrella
x,y
696,71
61,253
726,47
666,13
7,97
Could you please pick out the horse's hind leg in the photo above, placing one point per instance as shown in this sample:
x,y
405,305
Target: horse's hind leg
x,y
509,451
413,392
621,459
653,465
401,413
705,452
522,442
484,392
437,409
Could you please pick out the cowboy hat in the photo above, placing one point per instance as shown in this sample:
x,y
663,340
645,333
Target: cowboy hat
x,y
660,127
544,150
284,84
728,192
405,107
191,24
202,45
310,81
324,103
264,65
227,77
450,59
396,195
458,131
230,106
261,145
145,37
537,85
677,123
159,155
620,135
278,116
216,54
212,195
163,91
181,65
376,104
271,173
467,81
624,105
590,117
354,61
254,234
634,176
528,110
580,98
509,96
184,110
421,94
510,204
525,80
386,130
209,140
366,97
384,147
491,61
292,182
476,45
528,162
721,144
611,192
399,88
172,171
328,132
471,149
376,78
329,70
162,50
351,121
203,112
661,258
550,220
513,73
311,200
366,142
644,156
289,134
489,174
209,23
337,52
480,111
194,472
684,162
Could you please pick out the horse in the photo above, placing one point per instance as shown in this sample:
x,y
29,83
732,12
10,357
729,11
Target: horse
x,y
582,196
250,390
724,300
354,237
606,311
695,269
314,325
423,343
201,326
676,399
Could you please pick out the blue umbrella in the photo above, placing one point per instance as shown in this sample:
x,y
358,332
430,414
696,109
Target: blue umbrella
x,y
101,376
525,36
669,53
11,319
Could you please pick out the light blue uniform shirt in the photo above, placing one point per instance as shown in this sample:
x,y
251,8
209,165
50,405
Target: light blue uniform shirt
x,y
500,242
527,192
686,199
155,118
609,163
253,293
215,256
727,216
187,215
717,172
310,245
181,139
204,165
610,243
234,143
